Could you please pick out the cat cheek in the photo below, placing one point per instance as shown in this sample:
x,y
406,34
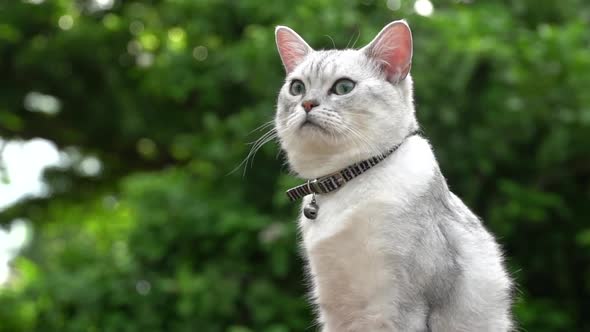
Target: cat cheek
x,y
291,108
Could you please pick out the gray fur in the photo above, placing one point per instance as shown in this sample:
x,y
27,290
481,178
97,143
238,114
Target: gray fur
x,y
439,218
394,249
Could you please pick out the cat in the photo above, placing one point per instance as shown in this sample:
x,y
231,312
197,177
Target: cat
x,y
392,249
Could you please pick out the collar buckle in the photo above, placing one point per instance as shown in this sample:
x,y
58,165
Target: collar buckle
x,y
314,187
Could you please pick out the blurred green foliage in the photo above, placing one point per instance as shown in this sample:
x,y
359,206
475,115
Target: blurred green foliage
x,y
167,93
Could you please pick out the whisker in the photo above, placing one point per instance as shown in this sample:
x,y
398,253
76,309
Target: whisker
x,y
269,139
262,126
364,140
357,38
357,33
256,145
333,44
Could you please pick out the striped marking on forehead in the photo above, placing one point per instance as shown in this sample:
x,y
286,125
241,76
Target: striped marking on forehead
x,y
321,62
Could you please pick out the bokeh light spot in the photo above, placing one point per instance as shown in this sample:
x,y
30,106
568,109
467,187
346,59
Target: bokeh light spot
x,y
394,4
423,7
144,59
111,21
177,38
90,166
134,47
149,41
42,103
136,27
104,4
12,240
200,53
147,148
143,287
65,22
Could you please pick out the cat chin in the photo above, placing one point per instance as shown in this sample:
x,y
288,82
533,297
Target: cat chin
x,y
310,126
313,156
314,138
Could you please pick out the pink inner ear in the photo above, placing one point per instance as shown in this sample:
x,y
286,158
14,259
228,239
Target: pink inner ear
x,y
393,48
292,48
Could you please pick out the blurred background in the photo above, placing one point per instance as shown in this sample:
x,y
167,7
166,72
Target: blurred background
x,y
121,123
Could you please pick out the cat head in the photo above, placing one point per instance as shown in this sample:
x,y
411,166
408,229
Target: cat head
x,y
338,107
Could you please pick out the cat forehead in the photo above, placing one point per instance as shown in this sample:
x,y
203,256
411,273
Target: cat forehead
x,y
331,62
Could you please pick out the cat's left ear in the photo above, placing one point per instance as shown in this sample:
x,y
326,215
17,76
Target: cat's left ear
x,y
292,48
392,49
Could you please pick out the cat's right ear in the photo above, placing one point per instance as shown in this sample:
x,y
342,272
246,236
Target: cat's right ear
x,y
292,48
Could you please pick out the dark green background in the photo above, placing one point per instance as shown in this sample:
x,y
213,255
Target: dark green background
x,y
163,239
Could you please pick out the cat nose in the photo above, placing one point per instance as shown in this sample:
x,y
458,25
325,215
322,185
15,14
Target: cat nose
x,y
309,104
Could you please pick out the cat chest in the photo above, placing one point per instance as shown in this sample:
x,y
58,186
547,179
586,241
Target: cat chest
x,y
349,221
345,252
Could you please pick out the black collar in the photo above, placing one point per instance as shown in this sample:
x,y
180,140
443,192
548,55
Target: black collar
x,y
336,180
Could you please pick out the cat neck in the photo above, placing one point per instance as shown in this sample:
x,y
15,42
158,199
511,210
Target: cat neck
x,y
311,161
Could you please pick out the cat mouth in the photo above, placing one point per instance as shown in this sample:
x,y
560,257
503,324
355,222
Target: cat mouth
x,y
311,124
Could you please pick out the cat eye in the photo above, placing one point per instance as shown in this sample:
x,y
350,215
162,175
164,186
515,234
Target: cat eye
x,y
297,88
343,86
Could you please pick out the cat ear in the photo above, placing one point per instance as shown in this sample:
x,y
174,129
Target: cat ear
x,y
292,48
392,48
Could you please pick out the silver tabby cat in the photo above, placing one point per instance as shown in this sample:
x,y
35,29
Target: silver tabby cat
x,y
393,249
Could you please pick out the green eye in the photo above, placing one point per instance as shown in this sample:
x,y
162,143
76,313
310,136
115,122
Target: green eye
x,y
297,88
343,86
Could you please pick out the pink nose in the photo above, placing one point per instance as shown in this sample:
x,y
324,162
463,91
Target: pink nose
x,y
309,104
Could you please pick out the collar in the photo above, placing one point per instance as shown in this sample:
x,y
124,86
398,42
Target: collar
x,y
338,179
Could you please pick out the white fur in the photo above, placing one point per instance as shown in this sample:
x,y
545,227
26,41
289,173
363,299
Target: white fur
x,y
352,282
311,153
394,182
387,243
